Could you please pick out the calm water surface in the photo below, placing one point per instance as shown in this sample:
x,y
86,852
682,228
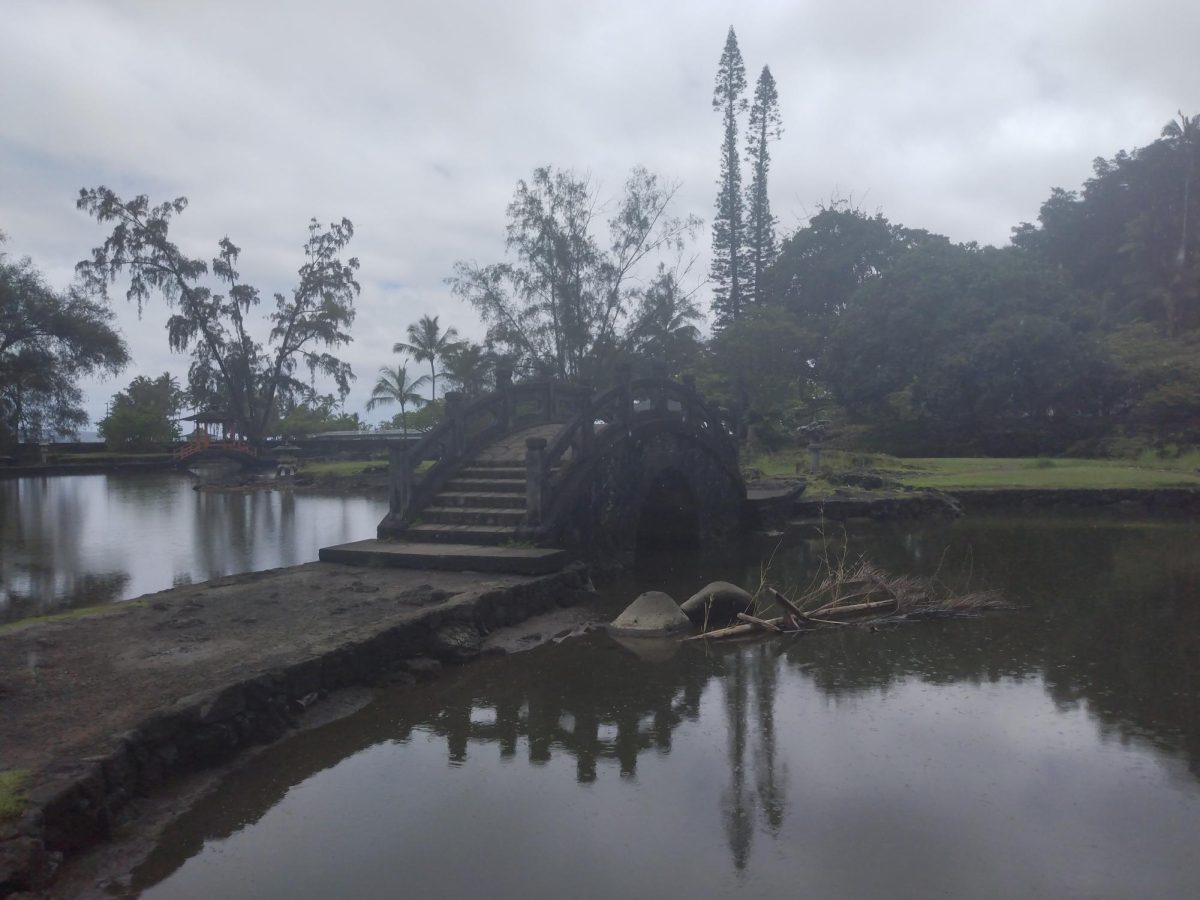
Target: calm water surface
x,y
79,540
1050,752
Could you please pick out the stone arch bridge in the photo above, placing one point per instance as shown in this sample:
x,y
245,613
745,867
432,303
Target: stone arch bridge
x,y
536,472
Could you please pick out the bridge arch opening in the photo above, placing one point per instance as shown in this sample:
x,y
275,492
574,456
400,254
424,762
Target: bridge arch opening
x,y
670,516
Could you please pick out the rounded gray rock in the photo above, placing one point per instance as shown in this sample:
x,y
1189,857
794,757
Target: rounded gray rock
x,y
652,613
717,603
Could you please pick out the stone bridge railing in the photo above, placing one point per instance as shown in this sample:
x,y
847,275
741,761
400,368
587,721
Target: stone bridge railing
x,y
611,416
590,420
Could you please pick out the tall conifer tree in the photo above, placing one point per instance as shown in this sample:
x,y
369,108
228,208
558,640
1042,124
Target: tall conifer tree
x,y
728,246
765,126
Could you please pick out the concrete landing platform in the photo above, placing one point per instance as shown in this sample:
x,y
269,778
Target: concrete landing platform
x,y
453,557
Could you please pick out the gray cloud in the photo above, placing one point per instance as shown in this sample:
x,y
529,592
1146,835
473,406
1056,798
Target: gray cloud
x,y
416,120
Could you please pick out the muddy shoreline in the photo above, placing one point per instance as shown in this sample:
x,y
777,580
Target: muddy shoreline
x,y
106,710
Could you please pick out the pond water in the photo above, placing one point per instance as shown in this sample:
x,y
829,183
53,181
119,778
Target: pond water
x,y
1050,751
78,540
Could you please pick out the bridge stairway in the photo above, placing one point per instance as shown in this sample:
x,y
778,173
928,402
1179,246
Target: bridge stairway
x,y
472,524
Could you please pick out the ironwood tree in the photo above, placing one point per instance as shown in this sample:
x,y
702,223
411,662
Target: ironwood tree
x,y
561,305
727,273
212,308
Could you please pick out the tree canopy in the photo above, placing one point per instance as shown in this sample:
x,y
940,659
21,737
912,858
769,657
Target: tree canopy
x,y
1129,235
145,415
561,305
250,380
48,340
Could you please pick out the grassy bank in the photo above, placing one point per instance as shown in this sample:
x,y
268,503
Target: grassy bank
x,y
964,473
12,793
343,468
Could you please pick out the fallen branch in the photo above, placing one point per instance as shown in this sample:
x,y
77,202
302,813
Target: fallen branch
x,y
733,630
796,611
761,623
834,609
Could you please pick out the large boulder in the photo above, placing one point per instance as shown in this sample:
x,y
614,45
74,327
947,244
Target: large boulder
x,y
653,613
717,603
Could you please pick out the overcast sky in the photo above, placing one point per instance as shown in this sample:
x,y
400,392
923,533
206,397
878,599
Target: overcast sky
x,y
415,120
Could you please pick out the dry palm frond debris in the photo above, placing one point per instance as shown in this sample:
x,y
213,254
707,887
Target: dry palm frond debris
x,y
860,594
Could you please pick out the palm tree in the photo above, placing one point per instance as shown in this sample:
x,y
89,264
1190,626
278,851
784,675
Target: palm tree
x,y
394,386
662,325
427,341
467,366
1184,136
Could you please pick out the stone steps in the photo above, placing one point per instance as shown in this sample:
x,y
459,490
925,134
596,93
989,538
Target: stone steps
x,y
477,500
468,515
459,485
491,473
474,523
438,533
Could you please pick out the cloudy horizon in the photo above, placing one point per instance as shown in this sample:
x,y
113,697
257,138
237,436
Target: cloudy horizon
x,y
416,122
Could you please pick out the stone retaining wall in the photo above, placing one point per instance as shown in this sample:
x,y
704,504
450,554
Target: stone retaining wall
x,y
78,803
877,505
1133,501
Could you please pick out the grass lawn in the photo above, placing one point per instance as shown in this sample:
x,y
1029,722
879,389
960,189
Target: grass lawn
x,y
342,468
12,793
349,468
103,609
955,473
960,473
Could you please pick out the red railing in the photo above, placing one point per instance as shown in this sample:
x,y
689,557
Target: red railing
x,y
202,442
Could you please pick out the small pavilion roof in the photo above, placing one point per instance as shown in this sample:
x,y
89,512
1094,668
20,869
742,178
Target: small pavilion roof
x,y
208,417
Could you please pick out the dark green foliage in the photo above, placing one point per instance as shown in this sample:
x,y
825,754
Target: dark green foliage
x,y
759,367
727,275
421,419
315,415
469,368
765,126
144,416
1129,236
823,264
560,306
663,326
966,344
1158,382
231,370
48,340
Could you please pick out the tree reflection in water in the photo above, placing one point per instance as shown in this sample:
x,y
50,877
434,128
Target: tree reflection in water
x,y
1112,624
